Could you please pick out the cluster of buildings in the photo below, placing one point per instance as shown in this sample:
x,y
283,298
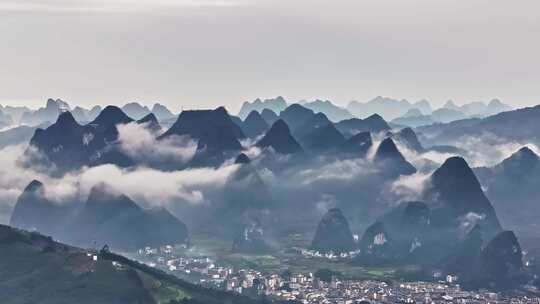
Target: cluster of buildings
x,y
309,289
329,255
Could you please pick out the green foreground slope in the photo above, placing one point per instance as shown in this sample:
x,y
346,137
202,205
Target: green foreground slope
x,y
36,269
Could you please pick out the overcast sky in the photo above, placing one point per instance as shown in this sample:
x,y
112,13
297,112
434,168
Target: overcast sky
x,y
204,53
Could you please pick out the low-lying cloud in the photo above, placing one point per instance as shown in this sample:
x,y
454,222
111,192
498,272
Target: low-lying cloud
x,y
148,187
141,144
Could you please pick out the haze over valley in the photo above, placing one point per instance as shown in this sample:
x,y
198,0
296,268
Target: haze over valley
x,y
269,152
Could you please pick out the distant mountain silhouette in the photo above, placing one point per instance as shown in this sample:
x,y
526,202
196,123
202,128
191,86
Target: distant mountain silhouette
x,y
387,107
17,135
451,112
333,234
517,125
135,110
83,115
277,105
47,114
414,119
447,115
280,139
5,119
14,112
442,115
479,108
162,112
333,112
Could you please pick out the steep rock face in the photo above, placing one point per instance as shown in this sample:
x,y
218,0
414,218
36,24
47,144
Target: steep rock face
x,y
218,136
456,190
374,124
416,218
356,146
254,125
245,199
280,139
466,254
376,245
110,116
218,140
250,240
269,116
242,159
412,238
503,254
499,266
69,145
391,160
105,218
296,115
114,219
311,124
324,138
196,123
519,163
33,211
64,142
512,187
150,122
407,137
333,233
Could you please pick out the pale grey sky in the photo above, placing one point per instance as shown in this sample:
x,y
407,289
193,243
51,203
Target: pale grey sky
x,y
204,53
